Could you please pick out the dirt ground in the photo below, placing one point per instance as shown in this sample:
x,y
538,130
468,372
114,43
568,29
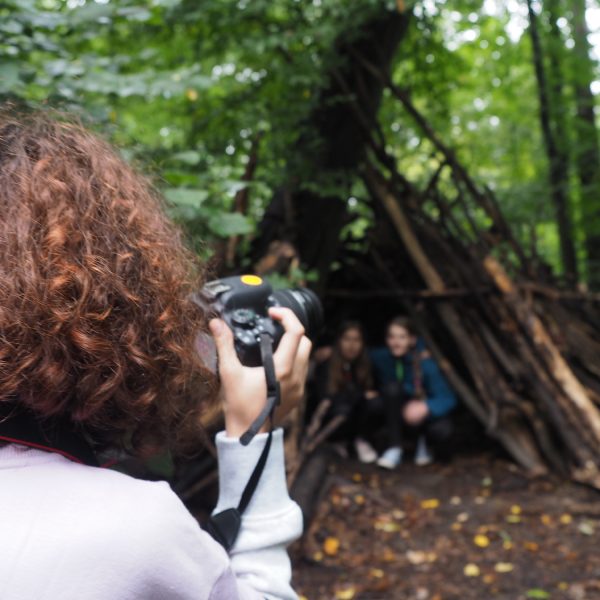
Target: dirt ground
x,y
475,528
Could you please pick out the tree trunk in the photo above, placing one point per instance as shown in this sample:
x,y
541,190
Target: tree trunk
x,y
311,219
560,111
557,157
587,153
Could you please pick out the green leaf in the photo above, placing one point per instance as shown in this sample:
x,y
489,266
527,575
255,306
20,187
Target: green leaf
x,y
186,197
537,594
13,27
167,3
228,224
91,12
135,13
9,77
233,187
189,157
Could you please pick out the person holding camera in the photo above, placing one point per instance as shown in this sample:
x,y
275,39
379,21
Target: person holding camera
x,y
98,331
417,398
346,380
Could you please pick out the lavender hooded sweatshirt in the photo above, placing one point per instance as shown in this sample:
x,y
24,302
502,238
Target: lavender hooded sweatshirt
x,y
74,532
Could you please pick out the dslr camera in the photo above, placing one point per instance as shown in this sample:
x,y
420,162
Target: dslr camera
x,y
242,302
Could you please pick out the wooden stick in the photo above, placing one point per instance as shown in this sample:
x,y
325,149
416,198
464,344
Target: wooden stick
x,y
405,231
555,294
315,435
423,294
559,368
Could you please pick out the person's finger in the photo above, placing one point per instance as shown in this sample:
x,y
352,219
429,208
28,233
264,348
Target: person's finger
x,y
288,346
223,336
293,387
303,354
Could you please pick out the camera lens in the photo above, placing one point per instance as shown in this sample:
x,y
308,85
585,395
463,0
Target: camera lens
x,y
306,306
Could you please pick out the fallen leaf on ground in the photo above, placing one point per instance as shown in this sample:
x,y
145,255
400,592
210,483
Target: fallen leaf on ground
x,y
388,526
537,593
471,570
566,519
531,546
346,593
483,541
389,555
430,503
422,593
416,557
331,546
503,567
586,528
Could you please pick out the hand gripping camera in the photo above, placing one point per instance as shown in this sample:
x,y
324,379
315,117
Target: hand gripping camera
x,y
243,302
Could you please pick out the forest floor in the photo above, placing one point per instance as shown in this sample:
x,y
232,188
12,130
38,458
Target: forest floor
x,y
475,528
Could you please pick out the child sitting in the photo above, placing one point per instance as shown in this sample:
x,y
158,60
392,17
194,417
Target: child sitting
x,y
416,395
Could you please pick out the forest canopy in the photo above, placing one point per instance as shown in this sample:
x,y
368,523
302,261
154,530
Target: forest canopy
x,y
216,97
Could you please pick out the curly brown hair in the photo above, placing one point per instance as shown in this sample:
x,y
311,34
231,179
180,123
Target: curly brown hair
x,y
96,321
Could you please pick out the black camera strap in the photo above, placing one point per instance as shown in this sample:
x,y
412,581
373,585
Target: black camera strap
x,y
273,392
225,526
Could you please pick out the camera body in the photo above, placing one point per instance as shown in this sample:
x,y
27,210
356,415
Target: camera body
x,y
243,303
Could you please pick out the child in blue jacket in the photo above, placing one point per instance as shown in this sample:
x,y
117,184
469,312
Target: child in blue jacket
x,y
416,394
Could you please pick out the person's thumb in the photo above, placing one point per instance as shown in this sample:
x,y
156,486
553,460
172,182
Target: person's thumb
x,y
223,336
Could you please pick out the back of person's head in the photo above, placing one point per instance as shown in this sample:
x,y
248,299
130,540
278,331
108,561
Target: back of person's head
x,y
96,324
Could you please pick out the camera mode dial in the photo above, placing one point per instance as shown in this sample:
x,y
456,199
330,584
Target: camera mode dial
x,y
244,317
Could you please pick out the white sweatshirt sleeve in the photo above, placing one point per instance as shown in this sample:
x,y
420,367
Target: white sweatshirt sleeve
x,y
259,560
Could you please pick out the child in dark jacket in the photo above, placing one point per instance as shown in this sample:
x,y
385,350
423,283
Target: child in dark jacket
x,y
346,380
416,394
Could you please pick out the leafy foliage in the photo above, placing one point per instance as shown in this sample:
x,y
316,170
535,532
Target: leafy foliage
x,y
184,88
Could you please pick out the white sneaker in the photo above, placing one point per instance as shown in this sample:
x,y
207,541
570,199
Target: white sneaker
x,y
364,451
423,455
391,458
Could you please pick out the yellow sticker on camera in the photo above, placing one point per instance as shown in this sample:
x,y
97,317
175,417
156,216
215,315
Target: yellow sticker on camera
x,y
251,279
